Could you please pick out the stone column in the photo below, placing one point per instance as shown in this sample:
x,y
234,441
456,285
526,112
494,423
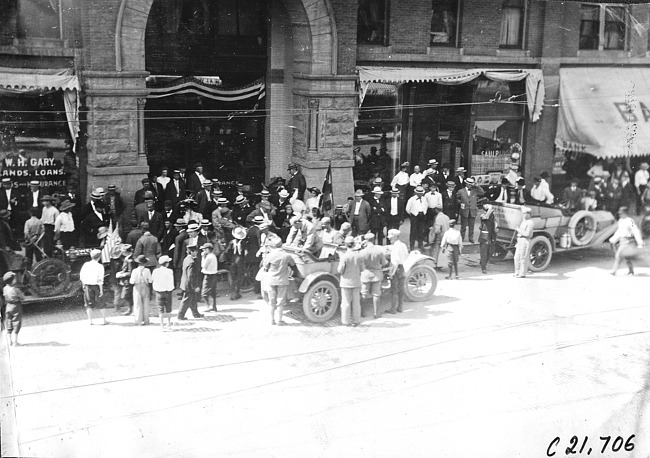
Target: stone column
x,y
324,120
115,128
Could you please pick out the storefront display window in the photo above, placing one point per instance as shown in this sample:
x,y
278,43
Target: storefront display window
x,y
497,130
377,138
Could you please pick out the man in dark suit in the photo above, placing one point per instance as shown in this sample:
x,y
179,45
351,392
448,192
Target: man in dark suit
x,y
280,201
431,175
358,213
253,242
175,191
177,260
393,205
519,194
113,203
377,220
449,203
167,237
571,196
241,211
443,177
190,283
10,200
297,181
146,212
195,180
459,178
467,199
95,217
203,197
146,187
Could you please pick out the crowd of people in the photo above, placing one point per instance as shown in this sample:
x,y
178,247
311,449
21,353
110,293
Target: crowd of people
x,y
185,230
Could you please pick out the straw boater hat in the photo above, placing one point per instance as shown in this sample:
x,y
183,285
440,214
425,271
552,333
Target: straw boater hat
x,y
419,190
460,169
258,219
180,222
205,223
47,198
239,233
207,183
283,193
470,180
222,201
193,226
240,200
265,193
102,232
451,184
377,190
394,191
433,162
34,183
358,192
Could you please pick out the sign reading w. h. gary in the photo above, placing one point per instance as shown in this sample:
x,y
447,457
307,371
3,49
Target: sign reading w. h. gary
x,y
48,171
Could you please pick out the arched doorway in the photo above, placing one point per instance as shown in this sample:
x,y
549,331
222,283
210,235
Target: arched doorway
x,y
203,57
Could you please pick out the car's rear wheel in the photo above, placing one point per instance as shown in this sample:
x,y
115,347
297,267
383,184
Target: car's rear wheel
x,y
321,301
420,283
540,252
50,277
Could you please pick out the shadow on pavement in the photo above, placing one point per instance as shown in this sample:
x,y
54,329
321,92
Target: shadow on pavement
x,y
44,344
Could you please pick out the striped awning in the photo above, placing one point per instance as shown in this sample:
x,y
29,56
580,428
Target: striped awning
x,y
159,88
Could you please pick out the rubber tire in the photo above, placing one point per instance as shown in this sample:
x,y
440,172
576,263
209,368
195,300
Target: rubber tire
x,y
54,271
575,221
323,312
543,246
416,275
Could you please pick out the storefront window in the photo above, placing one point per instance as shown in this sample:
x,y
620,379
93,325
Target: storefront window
x,y
512,23
372,22
497,130
445,15
377,137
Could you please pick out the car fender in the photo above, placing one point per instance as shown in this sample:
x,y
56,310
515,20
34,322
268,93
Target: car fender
x,y
316,276
414,258
548,236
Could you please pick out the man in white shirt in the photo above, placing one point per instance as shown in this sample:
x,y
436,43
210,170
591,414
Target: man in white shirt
x,y
641,178
524,234
541,194
48,218
91,276
416,177
417,209
628,237
401,182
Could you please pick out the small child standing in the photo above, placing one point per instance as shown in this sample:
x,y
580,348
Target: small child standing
x,y
163,284
92,279
209,268
453,240
14,301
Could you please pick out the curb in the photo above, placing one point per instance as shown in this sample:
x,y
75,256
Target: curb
x,y
8,426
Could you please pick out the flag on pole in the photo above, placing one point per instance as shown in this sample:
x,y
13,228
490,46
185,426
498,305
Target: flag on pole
x,y
111,242
326,198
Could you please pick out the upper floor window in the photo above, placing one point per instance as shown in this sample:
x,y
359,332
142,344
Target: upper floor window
x,y
372,22
30,19
513,18
603,27
445,22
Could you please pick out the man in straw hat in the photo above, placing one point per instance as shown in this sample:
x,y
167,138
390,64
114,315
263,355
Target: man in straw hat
x,y
378,212
190,283
524,234
64,227
467,199
91,276
276,268
177,246
162,283
417,208
209,269
235,254
141,281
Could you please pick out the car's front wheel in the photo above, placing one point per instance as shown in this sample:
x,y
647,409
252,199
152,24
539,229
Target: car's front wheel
x,y
321,301
540,252
420,283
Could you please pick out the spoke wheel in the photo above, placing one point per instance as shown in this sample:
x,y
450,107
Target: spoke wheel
x,y
420,283
540,252
321,301
50,277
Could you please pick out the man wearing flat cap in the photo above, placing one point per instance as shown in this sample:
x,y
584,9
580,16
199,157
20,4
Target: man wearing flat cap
x,y
296,181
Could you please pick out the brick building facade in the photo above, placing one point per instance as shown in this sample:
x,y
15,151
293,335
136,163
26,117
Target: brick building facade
x,y
313,51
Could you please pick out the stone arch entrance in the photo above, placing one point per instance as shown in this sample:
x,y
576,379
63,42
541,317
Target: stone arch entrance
x,y
313,24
